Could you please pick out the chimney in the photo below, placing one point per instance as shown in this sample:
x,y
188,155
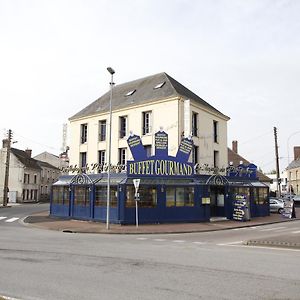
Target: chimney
x,y
296,152
28,152
5,143
235,146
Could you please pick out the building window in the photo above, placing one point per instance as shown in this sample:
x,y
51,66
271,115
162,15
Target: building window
x,y
123,126
82,159
179,196
148,196
35,178
26,178
146,122
83,133
102,130
216,138
194,124
81,196
148,150
122,156
216,159
101,196
101,157
61,195
195,154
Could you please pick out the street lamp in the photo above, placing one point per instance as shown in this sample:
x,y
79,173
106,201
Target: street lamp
x,y
112,72
288,152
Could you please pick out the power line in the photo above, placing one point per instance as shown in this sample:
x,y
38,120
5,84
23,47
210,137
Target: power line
x,y
257,137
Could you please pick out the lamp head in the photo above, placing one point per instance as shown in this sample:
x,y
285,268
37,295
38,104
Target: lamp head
x,y
111,70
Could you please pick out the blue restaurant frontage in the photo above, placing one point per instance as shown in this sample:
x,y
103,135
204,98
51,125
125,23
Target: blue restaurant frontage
x,y
171,190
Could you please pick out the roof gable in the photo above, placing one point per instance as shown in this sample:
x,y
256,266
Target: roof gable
x,y
25,159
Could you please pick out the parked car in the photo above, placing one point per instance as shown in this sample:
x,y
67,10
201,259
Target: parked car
x,y
297,200
276,205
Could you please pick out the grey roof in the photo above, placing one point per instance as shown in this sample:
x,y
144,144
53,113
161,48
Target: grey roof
x,y
25,159
144,93
294,164
45,165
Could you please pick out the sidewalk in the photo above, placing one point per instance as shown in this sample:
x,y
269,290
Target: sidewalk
x,y
43,220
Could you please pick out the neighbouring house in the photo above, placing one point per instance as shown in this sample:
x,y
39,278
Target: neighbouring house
x,y
61,162
30,180
293,173
236,159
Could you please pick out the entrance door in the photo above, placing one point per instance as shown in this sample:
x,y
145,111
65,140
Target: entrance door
x,y
217,196
81,201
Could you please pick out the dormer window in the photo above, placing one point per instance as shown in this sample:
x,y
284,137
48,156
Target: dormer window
x,y
130,93
160,85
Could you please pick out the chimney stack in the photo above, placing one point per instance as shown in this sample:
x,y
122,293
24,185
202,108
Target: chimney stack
x,y
296,152
28,152
235,146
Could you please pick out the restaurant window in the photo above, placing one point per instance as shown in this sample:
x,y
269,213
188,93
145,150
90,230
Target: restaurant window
x,y
260,195
102,130
83,133
122,156
101,196
216,132
81,195
179,196
146,122
61,195
148,197
123,126
194,124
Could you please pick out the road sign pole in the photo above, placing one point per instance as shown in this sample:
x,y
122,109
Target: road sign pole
x,y
136,212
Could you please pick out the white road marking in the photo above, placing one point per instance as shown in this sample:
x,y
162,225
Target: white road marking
x,y
271,229
159,240
12,220
178,241
142,239
231,243
298,231
199,243
2,218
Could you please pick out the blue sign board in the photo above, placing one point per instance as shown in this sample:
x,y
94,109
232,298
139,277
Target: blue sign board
x,y
244,171
161,164
240,208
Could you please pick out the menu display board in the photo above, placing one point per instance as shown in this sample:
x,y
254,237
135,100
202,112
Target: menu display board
x,y
240,208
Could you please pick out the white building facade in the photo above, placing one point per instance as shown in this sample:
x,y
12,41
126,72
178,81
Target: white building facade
x,y
143,107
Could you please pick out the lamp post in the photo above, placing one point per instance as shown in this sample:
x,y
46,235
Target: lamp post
x,y
112,72
288,152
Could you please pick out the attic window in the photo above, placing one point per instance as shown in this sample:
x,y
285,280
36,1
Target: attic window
x,y
130,93
160,85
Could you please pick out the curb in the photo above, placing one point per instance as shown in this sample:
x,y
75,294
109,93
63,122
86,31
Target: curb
x,y
273,243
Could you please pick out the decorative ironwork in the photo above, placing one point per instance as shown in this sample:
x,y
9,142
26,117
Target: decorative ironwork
x,y
81,179
217,179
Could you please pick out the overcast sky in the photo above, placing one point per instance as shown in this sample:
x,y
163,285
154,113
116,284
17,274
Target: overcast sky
x,y
243,57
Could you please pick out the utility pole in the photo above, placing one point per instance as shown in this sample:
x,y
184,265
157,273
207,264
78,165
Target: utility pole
x,y
277,163
5,190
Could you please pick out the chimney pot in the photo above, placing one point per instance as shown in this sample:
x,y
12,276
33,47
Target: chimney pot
x,y
28,152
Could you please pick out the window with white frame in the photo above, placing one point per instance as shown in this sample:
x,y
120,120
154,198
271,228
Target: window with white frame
x,y
101,157
123,126
216,129
83,133
194,124
102,130
122,156
146,122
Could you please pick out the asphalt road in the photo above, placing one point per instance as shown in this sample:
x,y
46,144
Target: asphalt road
x,y
41,264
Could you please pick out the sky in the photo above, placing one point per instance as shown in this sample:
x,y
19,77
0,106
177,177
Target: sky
x,y
243,57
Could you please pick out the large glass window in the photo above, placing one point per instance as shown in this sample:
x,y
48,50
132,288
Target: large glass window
x,y
148,196
61,195
260,195
101,196
81,196
179,196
